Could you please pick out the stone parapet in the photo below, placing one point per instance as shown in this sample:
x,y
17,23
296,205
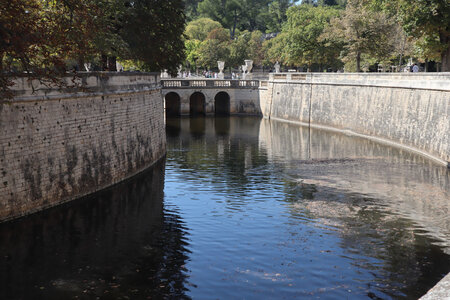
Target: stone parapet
x,y
85,84
426,81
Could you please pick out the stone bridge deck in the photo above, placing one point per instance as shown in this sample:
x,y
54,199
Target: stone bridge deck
x,y
211,96
208,83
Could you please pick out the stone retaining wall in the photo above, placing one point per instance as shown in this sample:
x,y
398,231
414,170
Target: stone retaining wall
x,y
58,145
406,110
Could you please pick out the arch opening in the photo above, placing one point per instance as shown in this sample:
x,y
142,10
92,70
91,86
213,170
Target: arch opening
x,y
173,104
222,104
197,104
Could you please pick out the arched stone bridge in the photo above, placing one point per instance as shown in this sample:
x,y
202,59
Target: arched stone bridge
x,y
210,96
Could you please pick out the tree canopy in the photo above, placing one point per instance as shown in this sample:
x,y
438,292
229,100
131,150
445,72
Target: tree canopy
x,y
427,21
48,38
303,28
362,32
323,34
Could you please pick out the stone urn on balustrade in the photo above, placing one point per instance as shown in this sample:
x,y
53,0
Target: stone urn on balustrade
x,y
249,66
221,65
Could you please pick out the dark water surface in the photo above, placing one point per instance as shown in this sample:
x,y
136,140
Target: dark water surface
x,y
243,208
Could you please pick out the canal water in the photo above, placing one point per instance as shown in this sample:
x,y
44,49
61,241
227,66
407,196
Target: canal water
x,y
243,208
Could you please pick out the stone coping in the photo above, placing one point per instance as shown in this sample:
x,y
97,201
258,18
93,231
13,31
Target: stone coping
x,y
440,291
84,84
427,81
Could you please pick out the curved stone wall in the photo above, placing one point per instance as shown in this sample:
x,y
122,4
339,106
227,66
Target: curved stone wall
x,y
408,110
56,146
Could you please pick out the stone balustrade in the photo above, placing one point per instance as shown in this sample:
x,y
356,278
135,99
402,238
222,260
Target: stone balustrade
x,y
208,83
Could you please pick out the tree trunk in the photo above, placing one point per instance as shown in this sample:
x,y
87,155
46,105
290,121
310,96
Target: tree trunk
x,y
1,61
358,62
445,56
112,64
234,26
80,62
104,62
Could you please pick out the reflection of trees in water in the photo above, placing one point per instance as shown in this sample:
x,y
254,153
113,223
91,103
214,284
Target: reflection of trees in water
x,y
115,244
224,149
405,263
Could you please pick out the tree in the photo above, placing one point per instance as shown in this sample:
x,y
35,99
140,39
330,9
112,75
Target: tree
x,y
200,28
236,14
239,50
214,48
363,32
254,14
428,21
341,3
190,9
37,37
274,50
192,48
276,15
231,12
153,29
227,12
47,38
303,28
255,48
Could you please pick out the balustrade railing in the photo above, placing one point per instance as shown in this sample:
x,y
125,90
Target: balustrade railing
x,y
208,83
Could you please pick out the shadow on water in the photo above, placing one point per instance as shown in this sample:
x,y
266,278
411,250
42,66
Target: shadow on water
x,y
121,243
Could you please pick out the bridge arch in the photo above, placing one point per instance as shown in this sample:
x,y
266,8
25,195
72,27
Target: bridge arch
x,y
173,104
197,104
222,103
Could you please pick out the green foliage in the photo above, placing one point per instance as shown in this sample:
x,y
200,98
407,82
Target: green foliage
x,y
255,48
46,38
304,26
428,22
200,28
341,3
263,15
191,9
153,31
275,50
276,15
219,34
192,48
228,12
38,37
239,50
213,49
362,31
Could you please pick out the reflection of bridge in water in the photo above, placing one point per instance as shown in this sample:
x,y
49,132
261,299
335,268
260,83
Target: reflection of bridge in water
x,y
210,96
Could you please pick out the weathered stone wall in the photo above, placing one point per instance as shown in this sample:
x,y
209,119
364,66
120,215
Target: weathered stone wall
x,y
407,110
59,145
